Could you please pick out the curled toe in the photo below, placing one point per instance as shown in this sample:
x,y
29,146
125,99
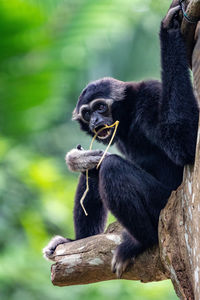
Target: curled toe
x,y
48,251
120,264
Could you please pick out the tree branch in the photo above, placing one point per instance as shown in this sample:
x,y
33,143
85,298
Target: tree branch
x,y
89,260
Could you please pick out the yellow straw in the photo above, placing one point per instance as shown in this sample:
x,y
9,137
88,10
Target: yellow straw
x,y
103,156
114,132
85,193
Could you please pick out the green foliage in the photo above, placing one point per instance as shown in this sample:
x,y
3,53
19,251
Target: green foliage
x,y
49,50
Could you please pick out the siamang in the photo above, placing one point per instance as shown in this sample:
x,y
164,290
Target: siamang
x,y
156,135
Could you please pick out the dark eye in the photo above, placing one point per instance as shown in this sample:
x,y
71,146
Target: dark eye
x,y
86,115
100,107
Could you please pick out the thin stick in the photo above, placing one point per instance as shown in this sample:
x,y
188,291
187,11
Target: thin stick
x,y
85,193
116,125
87,177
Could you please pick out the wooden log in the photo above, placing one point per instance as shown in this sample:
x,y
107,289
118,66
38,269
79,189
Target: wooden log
x,y
89,260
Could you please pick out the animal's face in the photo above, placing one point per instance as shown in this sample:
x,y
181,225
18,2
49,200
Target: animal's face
x,y
94,109
96,115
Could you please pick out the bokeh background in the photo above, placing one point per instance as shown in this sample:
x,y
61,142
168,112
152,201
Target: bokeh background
x,y
49,50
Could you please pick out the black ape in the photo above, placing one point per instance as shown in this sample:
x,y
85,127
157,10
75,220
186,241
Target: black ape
x,y
157,137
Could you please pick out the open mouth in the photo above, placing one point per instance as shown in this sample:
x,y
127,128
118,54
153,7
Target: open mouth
x,y
103,133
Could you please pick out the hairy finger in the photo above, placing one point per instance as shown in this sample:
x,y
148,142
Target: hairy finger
x,y
80,161
172,11
174,3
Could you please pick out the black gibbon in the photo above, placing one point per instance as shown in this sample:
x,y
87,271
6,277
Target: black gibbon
x,y
157,132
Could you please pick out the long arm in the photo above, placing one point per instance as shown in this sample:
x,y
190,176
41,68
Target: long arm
x,y
80,160
178,101
178,111
173,127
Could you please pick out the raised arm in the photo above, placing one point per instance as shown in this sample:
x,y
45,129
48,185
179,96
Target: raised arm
x,y
177,91
178,111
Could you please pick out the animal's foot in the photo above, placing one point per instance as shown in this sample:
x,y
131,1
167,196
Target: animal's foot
x,y
48,251
121,261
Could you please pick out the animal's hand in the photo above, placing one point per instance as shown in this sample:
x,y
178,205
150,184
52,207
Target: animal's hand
x,y
172,20
82,160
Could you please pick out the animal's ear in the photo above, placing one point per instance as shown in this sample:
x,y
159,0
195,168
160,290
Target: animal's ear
x,y
118,89
74,115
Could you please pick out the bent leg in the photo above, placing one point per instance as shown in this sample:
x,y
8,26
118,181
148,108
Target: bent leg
x,y
135,198
94,222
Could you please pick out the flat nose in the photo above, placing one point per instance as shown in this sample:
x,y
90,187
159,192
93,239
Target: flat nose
x,y
96,120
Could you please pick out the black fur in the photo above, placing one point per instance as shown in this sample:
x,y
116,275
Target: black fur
x,y
157,136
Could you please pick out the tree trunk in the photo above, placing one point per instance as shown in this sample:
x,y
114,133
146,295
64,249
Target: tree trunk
x,y
178,254
180,222
188,29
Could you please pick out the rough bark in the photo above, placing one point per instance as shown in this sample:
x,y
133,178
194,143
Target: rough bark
x,y
187,28
178,255
89,260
